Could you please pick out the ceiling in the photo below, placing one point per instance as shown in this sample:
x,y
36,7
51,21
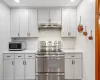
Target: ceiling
x,y
42,3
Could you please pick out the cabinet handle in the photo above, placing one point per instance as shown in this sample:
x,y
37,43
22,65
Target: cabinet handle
x,y
18,34
25,62
69,33
8,56
12,62
49,20
29,34
72,61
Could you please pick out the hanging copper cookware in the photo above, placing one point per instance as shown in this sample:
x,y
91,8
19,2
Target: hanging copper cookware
x,y
80,26
90,37
85,32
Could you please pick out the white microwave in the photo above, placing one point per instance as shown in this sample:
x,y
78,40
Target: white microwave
x,y
17,46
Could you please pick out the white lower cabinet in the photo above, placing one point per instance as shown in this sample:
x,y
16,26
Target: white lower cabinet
x,y
8,69
30,69
73,66
20,67
77,69
68,69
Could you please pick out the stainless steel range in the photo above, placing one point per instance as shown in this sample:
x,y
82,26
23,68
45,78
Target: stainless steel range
x,y
50,61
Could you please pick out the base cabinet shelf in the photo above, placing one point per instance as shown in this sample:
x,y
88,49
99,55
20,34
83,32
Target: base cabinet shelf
x,y
19,67
73,66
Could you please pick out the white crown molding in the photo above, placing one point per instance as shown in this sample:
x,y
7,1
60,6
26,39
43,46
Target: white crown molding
x,y
3,2
79,3
42,7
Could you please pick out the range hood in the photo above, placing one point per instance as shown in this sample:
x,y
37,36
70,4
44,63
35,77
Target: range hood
x,y
49,26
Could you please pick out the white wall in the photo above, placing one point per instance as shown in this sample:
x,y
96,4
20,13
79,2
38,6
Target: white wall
x,y
4,31
87,10
48,35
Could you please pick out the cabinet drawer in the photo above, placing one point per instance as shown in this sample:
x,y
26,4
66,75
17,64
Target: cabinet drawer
x,y
29,56
73,55
8,56
19,56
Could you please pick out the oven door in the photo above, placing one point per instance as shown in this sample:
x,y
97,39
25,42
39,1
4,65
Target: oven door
x,y
50,76
53,63
39,63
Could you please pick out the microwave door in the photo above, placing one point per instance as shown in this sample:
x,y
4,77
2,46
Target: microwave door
x,y
14,46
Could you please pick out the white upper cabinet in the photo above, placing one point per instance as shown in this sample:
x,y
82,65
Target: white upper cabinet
x,y
15,23
65,23
69,23
24,23
73,23
43,15
49,15
33,30
55,16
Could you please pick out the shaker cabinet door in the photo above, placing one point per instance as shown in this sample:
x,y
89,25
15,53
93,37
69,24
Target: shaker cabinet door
x,y
78,69
33,28
19,69
30,69
15,23
69,23
73,69
43,15
55,16
68,69
8,69
73,23
24,23
65,23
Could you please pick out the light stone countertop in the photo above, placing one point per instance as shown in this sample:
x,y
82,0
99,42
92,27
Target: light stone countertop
x,y
72,50
24,51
